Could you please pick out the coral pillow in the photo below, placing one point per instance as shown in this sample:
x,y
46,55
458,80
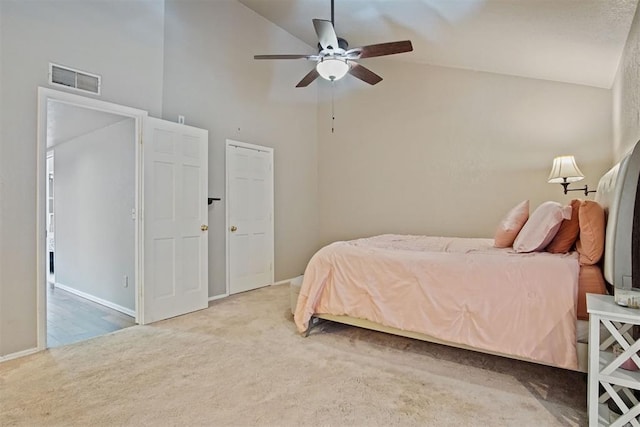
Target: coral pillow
x,y
590,244
541,227
590,281
568,233
511,225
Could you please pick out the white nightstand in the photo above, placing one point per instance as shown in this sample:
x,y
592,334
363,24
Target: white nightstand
x,y
604,367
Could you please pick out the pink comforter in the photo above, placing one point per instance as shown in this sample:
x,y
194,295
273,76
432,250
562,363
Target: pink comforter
x,y
463,291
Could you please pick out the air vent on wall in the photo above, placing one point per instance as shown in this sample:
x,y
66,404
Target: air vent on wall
x,y
74,79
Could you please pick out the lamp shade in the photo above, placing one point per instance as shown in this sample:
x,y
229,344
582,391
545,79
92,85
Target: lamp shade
x,y
564,169
332,68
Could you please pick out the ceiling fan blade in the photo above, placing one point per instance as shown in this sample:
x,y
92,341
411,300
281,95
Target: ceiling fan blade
x,y
364,74
306,80
383,49
285,57
326,34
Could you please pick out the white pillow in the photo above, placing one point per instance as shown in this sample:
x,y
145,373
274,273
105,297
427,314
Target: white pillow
x,y
542,226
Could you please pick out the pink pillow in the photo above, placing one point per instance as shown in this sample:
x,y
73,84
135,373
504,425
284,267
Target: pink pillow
x,y
541,227
511,225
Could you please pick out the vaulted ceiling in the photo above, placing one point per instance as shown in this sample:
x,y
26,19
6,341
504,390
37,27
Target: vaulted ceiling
x,y
573,41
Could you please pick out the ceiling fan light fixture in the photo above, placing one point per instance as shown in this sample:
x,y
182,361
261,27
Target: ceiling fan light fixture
x,y
332,68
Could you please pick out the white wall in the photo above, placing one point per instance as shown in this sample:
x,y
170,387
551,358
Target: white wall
x,y
626,94
211,77
2,178
94,188
122,41
441,151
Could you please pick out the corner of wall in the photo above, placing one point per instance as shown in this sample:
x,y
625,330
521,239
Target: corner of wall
x,y
616,101
1,179
626,94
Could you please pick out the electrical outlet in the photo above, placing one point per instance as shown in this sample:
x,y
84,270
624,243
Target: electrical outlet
x,y
181,120
125,281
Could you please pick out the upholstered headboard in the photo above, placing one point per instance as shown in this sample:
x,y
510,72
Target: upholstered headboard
x,y
617,193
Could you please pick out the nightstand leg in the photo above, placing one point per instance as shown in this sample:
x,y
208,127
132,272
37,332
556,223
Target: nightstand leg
x,y
594,352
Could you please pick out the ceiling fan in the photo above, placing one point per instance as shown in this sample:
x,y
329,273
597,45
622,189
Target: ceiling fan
x,y
334,58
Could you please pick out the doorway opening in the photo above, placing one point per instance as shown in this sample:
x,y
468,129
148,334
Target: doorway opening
x,y
90,223
88,258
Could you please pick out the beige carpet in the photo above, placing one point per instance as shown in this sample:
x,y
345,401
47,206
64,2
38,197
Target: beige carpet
x,y
241,363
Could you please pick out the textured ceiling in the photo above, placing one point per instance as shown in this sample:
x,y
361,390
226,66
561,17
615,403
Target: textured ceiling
x,y
575,41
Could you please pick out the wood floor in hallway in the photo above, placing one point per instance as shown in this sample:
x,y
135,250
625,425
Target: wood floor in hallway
x,y
71,318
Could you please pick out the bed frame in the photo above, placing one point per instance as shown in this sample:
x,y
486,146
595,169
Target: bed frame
x,y
582,348
609,192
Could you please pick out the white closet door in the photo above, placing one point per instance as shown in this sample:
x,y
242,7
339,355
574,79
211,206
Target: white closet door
x,y
249,216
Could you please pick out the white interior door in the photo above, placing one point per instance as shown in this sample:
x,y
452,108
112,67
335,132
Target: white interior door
x,y
175,181
249,170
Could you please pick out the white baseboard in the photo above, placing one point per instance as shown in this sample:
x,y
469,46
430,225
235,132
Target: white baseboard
x,y
215,297
282,282
18,354
97,300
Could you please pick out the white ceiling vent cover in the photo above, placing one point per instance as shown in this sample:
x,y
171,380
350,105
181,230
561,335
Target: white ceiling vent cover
x,y
74,79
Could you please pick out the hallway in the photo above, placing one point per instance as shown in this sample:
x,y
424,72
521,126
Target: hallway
x,y
71,318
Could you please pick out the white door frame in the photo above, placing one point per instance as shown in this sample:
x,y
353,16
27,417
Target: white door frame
x,y
230,142
45,95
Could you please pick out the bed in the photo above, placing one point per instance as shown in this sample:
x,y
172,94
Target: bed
x,y
459,292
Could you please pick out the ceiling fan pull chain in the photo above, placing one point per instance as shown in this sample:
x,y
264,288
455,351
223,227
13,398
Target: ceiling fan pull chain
x,y
333,115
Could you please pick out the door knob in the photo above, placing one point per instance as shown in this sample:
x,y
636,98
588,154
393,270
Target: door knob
x,y
234,228
204,227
